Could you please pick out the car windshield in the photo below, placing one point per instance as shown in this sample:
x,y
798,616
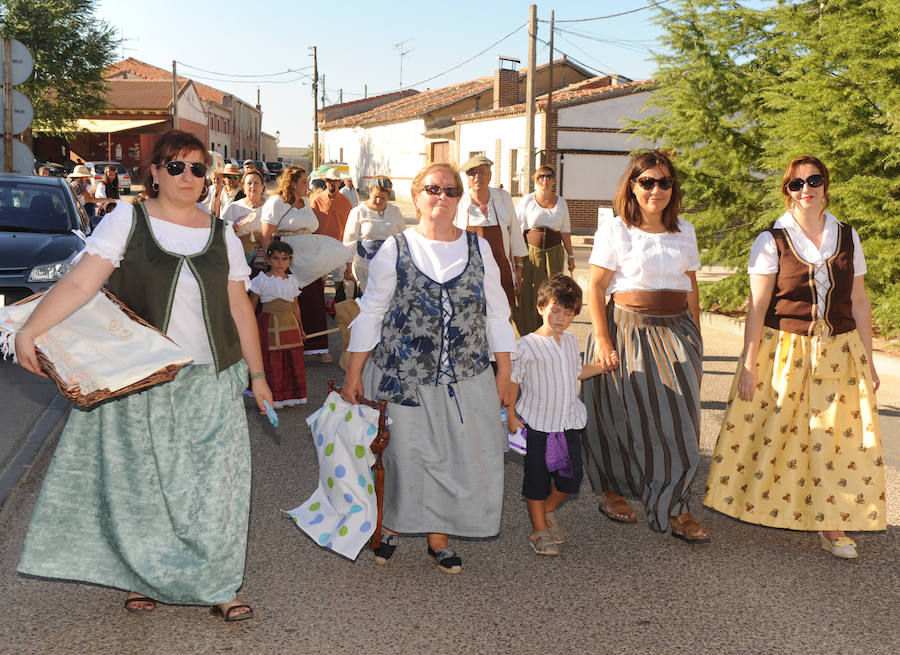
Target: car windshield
x,y
28,207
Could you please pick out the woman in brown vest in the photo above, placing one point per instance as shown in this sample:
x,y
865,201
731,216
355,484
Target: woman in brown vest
x,y
800,446
150,492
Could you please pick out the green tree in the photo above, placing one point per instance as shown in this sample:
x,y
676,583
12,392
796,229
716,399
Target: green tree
x,y
71,47
742,91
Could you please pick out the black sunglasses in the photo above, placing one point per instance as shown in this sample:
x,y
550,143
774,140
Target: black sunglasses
x,y
545,176
813,180
647,183
176,168
435,190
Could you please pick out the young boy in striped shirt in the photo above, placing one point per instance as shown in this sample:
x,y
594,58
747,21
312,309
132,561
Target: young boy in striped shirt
x,y
547,372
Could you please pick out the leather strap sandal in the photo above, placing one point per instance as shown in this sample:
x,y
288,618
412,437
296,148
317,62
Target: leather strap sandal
x,y
229,614
686,527
617,508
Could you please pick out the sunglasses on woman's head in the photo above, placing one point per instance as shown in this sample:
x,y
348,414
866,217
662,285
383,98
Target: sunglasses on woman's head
x,y
176,168
647,183
435,190
813,180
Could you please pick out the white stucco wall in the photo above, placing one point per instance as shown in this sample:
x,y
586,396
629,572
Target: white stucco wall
x,y
482,135
396,150
190,106
606,113
590,177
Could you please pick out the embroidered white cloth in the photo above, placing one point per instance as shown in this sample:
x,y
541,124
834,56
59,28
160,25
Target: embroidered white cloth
x,y
342,512
97,347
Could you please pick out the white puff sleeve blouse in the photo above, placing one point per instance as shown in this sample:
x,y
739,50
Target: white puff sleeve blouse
x,y
186,325
642,261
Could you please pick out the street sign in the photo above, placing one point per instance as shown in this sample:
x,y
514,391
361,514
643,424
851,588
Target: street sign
x,y
23,112
22,158
22,62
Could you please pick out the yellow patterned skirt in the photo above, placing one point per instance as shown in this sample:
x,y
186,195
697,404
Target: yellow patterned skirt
x,y
805,453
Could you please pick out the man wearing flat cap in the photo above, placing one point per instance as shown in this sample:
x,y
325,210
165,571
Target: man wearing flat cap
x,y
490,213
331,207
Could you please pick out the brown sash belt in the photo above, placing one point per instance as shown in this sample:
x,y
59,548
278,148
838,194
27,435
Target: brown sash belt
x,y
543,237
658,303
494,237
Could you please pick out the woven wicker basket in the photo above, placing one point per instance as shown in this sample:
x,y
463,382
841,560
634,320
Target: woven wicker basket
x,y
73,392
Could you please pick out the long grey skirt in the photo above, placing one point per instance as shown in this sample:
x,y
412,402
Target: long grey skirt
x,y
443,474
151,492
642,434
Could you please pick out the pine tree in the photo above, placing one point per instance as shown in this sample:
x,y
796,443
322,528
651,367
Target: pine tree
x,y
742,91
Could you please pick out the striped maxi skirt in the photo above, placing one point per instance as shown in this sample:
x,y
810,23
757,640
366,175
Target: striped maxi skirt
x,y
642,434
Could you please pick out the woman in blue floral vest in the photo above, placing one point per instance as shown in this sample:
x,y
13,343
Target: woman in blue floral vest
x,y
433,316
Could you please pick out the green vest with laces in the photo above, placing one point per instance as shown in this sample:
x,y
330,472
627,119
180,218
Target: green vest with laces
x,y
146,280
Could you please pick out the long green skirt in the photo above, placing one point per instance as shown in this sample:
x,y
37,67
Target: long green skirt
x,y
151,492
538,266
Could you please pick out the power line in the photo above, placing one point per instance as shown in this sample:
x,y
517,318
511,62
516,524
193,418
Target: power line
x,y
621,13
286,72
463,63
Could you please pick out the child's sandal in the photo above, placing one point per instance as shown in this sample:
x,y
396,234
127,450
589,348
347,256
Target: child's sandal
x,y
543,544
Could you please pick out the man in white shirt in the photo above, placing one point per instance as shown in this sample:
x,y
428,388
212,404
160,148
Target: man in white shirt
x,y
348,190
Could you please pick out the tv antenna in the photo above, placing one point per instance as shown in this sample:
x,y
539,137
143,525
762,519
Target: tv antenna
x,y
403,52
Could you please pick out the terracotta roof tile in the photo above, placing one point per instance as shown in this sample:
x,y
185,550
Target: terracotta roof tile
x,y
141,94
147,71
595,88
415,106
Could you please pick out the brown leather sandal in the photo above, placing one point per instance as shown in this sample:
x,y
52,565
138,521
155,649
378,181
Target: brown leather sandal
x,y
229,615
617,508
686,527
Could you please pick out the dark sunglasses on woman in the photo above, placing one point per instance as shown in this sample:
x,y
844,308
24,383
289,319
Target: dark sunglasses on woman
x,y
647,183
813,180
435,190
176,168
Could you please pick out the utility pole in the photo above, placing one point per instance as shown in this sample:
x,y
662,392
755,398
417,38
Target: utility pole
x,y
340,96
315,90
174,97
549,107
529,99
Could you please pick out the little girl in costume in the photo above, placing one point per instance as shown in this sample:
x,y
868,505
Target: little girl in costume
x,y
280,328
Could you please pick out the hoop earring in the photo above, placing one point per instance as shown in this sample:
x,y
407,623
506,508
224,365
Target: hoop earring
x,y
155,186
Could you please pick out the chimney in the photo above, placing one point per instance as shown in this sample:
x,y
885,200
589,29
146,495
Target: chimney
x,y
506,83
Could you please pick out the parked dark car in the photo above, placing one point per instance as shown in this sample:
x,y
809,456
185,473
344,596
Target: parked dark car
x,y
37,243
55,170
261,167
275,168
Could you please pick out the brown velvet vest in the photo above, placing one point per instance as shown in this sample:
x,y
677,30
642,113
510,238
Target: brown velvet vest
x,y
793,307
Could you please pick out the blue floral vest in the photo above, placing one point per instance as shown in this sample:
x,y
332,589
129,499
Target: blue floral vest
x,y
418,344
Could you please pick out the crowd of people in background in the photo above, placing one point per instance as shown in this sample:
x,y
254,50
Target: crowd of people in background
x,y
463,314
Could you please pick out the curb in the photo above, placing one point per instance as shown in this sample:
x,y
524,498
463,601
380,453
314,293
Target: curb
x,y
884,364
17,469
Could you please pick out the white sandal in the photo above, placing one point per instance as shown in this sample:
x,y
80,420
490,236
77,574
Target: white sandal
x,y
843,547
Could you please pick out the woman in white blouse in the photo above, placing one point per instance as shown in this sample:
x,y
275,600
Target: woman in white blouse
x,y
433,314
368,225
548,232
800,444
642,436
243,214
288,215
154,487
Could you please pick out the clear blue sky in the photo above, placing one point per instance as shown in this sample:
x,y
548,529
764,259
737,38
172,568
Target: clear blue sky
x,y
242,45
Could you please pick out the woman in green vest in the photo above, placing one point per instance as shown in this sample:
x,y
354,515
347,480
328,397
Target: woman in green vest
x,y
150,492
